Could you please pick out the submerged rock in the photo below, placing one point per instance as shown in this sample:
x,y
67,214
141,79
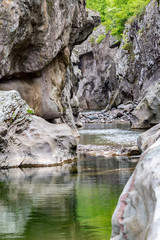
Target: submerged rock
x,y
28,140
106,151
137,213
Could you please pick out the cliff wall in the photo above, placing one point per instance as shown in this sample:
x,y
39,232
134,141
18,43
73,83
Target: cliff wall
x,y
36,40
114,73
98,74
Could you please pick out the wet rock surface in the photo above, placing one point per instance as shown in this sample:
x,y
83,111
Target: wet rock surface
x,y
108,150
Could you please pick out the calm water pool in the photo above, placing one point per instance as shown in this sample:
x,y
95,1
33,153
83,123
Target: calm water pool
x,y
61,203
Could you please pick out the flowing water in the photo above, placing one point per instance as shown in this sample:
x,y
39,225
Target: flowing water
x,y
71,202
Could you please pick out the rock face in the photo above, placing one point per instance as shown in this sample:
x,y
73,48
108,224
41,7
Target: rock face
x,y
137,65
35,44
36,40
147,113
28,140
138,57
98,71
112,76
137,213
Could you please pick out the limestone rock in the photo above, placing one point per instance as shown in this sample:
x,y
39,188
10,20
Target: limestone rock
x,y
27,140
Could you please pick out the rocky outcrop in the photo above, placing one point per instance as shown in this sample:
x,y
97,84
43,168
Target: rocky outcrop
x,y
28,140
137,213
35,43
138,58
137,65
147,113
112,76
98,71
36,40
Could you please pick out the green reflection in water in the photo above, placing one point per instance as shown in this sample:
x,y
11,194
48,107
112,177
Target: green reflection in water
x,y
53,204
93,211
64,207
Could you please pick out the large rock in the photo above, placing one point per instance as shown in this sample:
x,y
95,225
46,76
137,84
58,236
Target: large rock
x,y
36,39
137,213
147,113
111,75
27,140
147,138
34,32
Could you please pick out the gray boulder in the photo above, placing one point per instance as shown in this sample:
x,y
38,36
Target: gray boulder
x,y
147,113
27,140
146,139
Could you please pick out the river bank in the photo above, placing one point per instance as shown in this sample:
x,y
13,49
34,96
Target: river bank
x,y
120,115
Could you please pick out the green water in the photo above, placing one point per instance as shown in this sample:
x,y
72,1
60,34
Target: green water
x,y
60,204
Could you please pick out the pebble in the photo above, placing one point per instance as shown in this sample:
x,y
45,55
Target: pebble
x,y
115,115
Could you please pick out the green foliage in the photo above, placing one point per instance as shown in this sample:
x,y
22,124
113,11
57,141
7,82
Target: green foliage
x,y
92,40
115,13
127,46
13,117
30,111
100,38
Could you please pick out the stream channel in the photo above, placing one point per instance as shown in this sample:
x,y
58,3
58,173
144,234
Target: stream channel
x,y
71,202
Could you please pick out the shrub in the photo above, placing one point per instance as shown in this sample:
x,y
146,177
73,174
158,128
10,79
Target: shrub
x,y
115,13
92,40
100,38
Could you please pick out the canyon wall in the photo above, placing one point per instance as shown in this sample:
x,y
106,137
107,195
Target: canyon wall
x,y
114,73
137,65
36,40
98,78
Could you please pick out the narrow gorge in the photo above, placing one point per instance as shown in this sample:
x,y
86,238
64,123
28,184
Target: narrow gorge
x,y
80,121
36,40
